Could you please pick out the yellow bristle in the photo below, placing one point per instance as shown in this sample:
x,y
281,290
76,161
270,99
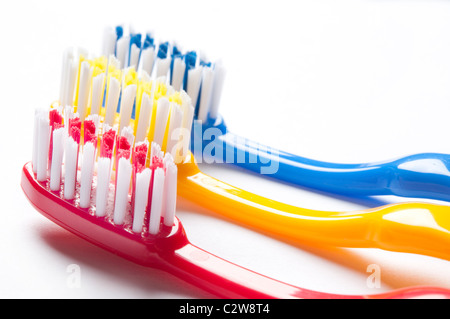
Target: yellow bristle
x,y
99,65
176,97
166,133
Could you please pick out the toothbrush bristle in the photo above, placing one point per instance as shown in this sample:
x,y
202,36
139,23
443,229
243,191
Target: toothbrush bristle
x,y
55,118
90,135
157,162
107,143
124,148
90,185
116,131
75,129
140,156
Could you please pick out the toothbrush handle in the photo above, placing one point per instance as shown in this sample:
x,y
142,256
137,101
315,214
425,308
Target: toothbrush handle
x,y
227,280
179,257
425,175
409,227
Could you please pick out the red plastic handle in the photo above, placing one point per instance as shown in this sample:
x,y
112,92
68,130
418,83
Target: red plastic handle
x,y
227,280
173,253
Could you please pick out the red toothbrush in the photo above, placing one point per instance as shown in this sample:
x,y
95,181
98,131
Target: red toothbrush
x,y
140,225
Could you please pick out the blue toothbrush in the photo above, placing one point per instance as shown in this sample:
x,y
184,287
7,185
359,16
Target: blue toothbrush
x,y
425,175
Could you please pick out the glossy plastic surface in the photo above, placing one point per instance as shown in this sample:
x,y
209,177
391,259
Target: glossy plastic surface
x,y
172,252
425,175
418,228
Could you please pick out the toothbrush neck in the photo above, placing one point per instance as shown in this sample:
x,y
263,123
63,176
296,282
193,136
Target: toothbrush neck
x,y
425,175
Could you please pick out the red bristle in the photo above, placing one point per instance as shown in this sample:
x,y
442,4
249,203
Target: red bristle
x,y
140,157
57,126
55,117
55,122
75,129
139,160
124,153
90,132
157,162
123,148
107,144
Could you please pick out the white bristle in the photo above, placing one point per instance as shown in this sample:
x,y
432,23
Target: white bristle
x,y
167,159
104,167
157,201
34,157
96,119
141,198
103,180
176,118
188,110
205,96
69,113
98,89
86,174
67,56
126,105
81,53
145,77
113,62
144,117
134,56
162,67
71,80
219,79
170,193
128,133
122,50
179,67
84,89
162,115
43,145
170,90
148,60
88,165
95,172
162,79
185,133
193,84
112,100
57,158
155,151
70,166
124,171
109,41
67,78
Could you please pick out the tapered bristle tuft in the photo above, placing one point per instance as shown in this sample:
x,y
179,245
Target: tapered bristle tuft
x,y
111,146
107,143
75,129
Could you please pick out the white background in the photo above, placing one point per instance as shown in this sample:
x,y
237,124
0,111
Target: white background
x,y
344,81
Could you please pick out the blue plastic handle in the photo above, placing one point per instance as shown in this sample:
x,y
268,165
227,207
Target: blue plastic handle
x,y
425,175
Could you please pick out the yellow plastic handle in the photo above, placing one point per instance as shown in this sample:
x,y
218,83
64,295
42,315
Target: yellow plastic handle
x,y
418,228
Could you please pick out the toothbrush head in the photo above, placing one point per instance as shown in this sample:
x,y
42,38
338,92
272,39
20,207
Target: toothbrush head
x,y
102,182
141,248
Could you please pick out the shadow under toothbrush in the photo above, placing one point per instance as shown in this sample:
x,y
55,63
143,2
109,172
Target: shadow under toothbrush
x,y
154,283
350,258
